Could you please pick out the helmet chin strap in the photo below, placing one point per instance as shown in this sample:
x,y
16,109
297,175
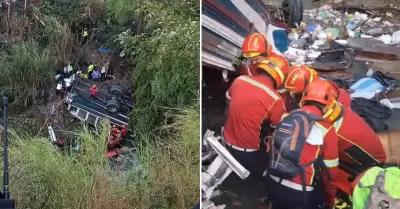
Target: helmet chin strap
x,y
334,112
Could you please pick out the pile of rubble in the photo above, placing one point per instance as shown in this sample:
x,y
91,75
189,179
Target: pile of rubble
x,y
322,25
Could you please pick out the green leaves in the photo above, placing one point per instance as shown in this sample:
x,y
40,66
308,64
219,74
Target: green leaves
x,y
167,67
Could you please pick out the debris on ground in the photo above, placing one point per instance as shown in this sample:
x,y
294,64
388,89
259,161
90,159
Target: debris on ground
x,y
356,47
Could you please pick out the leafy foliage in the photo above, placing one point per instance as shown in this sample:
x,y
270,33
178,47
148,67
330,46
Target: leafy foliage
x,y
123,11
68,11
26,69
167,61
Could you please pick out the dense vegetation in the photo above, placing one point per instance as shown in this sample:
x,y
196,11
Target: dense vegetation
x,y
161,38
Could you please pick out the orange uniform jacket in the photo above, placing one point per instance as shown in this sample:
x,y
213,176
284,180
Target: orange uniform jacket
x,y
358,143
330,157
252,100
344,98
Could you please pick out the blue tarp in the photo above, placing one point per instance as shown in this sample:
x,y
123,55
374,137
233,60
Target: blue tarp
x,y
108,51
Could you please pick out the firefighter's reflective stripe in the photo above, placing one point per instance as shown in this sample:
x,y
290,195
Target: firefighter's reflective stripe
x,y
338,124
332,163
227,95
355,146
323,130
260,85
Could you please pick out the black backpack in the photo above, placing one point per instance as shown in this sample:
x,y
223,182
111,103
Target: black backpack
x,y
286,145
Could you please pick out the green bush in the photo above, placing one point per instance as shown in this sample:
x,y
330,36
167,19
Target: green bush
x,y
68,11
167,67
25,70
41,177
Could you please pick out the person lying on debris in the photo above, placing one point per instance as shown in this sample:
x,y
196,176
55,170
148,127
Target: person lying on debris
x,y
376,185
256,48
93,91
303,154
300,75
254,106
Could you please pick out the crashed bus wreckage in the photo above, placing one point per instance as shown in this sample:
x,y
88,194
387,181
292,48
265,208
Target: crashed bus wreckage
x,y
111,104
300,107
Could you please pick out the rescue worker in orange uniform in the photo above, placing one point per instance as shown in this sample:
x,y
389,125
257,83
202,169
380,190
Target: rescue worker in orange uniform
x,y
351,129
359,145
343,96
317,100
254,106
255,49
124,131
300,75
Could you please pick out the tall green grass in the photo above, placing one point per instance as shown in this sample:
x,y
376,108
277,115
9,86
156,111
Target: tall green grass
x,y
25,70
41,177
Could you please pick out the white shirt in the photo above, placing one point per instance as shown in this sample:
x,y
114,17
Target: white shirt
x,y
103,70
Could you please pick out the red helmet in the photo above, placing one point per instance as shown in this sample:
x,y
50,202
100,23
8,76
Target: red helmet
x,y
256,44
276,66
334,89
299,76
318,91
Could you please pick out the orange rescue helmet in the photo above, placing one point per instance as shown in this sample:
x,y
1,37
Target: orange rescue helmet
x,y
334,89
318,91
277,67
256,44
321,91
299,76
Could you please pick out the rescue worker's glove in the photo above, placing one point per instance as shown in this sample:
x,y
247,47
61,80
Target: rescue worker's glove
x,y
341,204
237,61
